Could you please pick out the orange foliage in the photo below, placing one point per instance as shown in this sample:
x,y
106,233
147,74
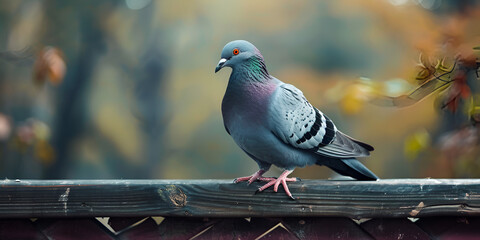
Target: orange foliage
x,y
49,63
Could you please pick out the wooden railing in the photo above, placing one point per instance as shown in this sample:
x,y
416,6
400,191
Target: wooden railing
x,y
219,209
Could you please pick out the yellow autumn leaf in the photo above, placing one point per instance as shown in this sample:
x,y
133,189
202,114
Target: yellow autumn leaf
x,y
44,152
355,97
416,143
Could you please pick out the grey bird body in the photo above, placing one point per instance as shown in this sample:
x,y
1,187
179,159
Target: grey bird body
x,y
247,114
275,124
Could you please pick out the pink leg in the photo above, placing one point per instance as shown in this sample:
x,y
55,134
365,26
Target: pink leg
x,y
281,179
254,177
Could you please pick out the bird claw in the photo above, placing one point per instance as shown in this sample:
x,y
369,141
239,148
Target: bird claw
x,y
290,196
272,181
249,179
275,182
257,176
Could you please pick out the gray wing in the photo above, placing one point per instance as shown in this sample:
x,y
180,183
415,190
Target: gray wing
x,y
296,122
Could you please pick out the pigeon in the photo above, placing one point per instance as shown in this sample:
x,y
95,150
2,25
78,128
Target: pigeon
x,y
273,123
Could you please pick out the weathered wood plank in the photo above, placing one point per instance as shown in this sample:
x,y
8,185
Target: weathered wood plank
x,y
221,198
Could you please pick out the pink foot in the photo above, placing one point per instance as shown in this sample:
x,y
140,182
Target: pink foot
x,y
281,179
253,178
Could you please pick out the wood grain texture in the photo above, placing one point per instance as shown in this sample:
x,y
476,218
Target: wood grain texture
x,y
222,198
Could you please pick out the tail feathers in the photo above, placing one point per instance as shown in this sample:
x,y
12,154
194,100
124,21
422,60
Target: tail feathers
x,y
351,167
364,145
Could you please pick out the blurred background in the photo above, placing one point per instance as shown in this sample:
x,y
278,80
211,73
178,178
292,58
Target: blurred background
x,y
126,89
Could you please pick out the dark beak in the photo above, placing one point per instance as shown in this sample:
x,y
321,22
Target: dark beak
x,y
220,64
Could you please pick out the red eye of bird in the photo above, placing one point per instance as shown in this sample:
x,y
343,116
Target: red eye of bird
x,y
235,51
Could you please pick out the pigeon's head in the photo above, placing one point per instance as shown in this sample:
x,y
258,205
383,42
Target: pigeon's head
x,y
237,52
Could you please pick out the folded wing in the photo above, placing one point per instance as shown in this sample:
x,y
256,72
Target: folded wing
x,y
297,123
